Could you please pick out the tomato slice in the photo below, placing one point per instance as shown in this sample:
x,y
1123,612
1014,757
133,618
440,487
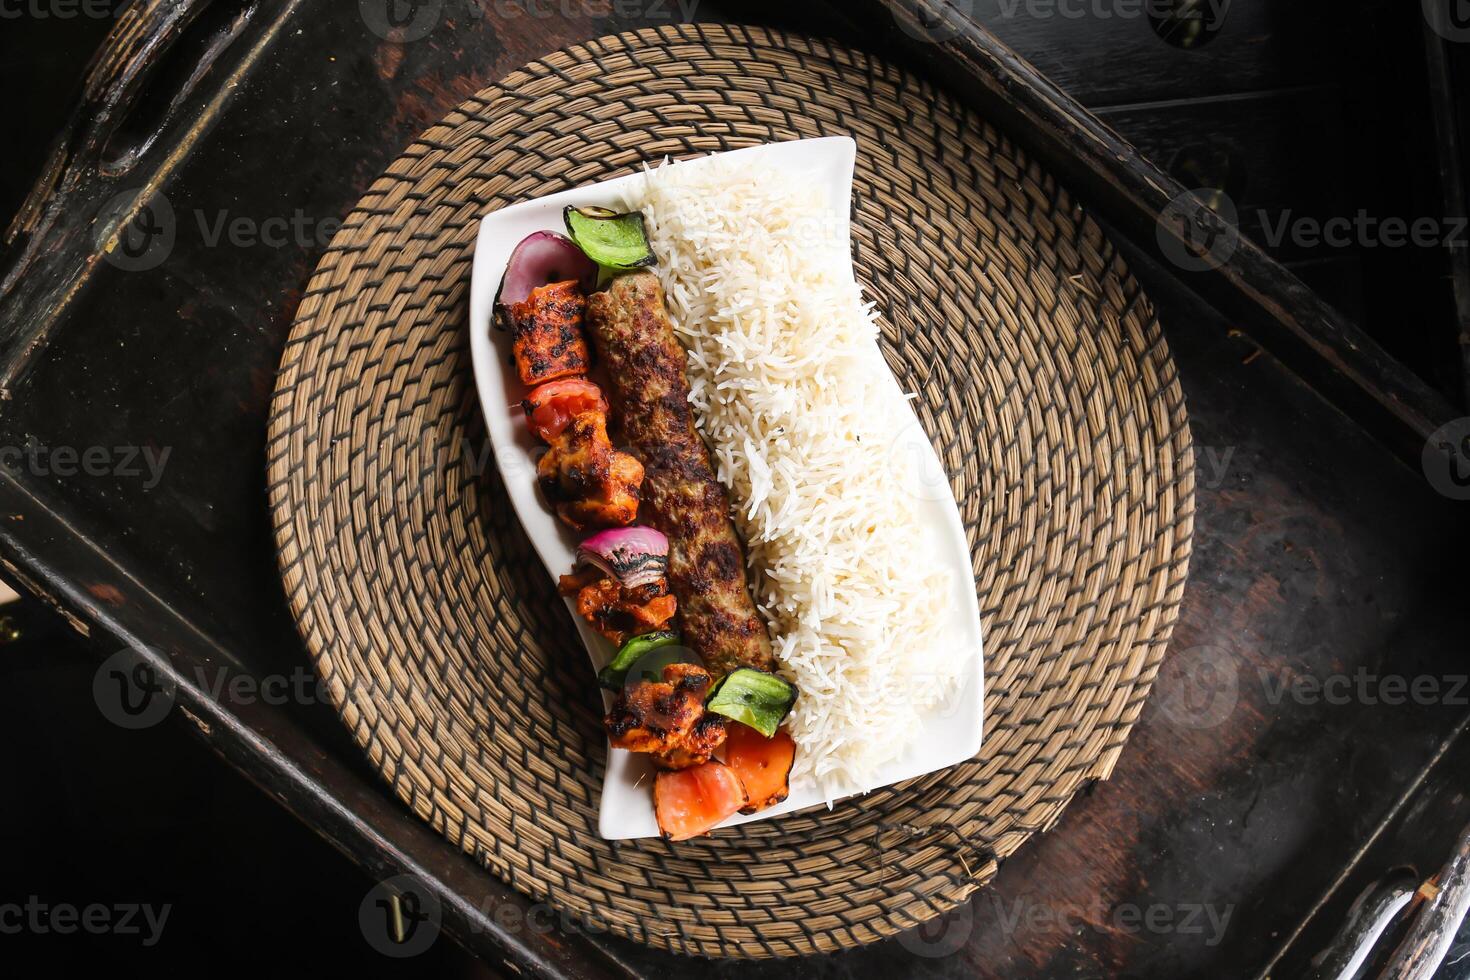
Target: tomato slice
x,y
763,764
691,801
551,407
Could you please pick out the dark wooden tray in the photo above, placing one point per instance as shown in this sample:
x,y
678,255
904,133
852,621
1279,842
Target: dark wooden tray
x,y
1317,550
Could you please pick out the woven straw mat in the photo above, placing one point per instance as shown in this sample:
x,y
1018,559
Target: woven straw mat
x,y
1044,381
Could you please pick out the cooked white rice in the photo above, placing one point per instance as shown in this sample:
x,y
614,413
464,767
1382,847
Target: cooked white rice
x,y
795,400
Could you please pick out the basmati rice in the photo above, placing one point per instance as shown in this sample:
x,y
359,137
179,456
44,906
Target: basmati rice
x,y
791,392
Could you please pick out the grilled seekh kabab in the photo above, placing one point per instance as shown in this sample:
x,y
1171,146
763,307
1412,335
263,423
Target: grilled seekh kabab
x,y
633,336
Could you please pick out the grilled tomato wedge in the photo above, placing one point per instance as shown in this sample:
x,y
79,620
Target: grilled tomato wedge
x,y
690,802
762,764
551,407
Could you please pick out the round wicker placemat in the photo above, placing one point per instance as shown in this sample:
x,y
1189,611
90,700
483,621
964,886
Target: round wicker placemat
x,y
1044,381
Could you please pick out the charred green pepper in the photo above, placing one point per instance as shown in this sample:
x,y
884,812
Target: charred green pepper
x,y
615,673
754,698
612,240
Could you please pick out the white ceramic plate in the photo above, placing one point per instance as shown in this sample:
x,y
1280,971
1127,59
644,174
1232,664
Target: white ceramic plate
x,y
951,733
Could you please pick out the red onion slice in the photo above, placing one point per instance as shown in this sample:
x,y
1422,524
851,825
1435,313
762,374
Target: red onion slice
x,y
544,257
635,556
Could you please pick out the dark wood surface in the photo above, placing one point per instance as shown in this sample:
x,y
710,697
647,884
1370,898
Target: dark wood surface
x,y
1318,551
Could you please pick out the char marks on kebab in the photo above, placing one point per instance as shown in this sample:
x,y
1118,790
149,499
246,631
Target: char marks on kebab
x,y
633,335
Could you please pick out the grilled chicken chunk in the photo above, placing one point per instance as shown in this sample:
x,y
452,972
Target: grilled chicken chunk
x,y
586,480
546,331
667,718
633,335
617,612
707,735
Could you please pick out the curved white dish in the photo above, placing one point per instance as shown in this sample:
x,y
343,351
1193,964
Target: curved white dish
x,y
949,734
